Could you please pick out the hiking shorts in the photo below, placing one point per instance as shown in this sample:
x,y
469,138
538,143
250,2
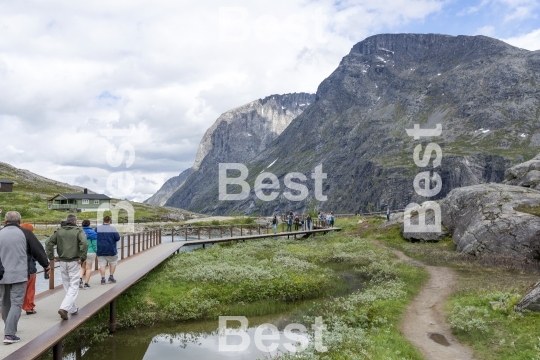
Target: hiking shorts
x,y
103,260
90,257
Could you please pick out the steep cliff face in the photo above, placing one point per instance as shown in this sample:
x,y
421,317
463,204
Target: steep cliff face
x,y
168,188
236,136
484,92
241,133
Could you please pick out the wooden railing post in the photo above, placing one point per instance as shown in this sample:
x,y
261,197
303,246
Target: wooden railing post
x,y
122,247
185,232
112,316
259,229
129,246
139,242
51,275
220,232
231,230
209,232
198,233
172,234
240,230
57,351
160,237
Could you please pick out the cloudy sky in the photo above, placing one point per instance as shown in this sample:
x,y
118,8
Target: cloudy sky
x,y
91,90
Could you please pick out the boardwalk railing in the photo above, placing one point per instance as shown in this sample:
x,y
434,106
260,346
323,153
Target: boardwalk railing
x,y
53,338
129,245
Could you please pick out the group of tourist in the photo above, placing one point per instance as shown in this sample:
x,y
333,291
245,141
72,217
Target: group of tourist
x,y
76,251
304,223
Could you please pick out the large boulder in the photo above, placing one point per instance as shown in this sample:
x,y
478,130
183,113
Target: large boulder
x,y
483,219
526,174
531,299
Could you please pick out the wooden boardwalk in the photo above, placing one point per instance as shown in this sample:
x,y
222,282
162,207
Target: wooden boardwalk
x,y
41,331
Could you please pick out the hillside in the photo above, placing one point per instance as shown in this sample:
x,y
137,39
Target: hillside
x,y
484,92
30,192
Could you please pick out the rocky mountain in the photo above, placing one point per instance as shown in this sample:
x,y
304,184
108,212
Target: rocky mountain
x,y
168,188
484,92
237,136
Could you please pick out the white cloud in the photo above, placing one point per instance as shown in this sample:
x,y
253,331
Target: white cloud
x,y
67,69
529,41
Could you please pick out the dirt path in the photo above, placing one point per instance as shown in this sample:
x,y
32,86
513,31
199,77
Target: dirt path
x,y
424,323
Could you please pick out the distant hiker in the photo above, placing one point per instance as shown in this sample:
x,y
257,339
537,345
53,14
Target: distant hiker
x,y
296,223
388,214
289,222
28,303
16,245
274,223
107,237
308,220
86,269
71,247
332,219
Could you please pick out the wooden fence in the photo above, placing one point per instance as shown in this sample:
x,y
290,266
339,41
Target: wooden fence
x,y
129,245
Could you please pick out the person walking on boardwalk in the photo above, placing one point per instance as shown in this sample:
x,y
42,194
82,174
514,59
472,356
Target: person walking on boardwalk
x,y
388,214
107,237
71,247
308,221
86,269
274,223
28,303
16,244
289,222
296,223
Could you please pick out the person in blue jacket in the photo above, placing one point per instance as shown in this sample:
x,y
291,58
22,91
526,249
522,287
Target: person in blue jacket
x,y
107,237
86,269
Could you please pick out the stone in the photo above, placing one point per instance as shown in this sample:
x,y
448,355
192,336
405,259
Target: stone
x,y
483,220
526,174
531,299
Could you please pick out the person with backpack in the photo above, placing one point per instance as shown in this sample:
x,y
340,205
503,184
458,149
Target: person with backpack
x,y
274,223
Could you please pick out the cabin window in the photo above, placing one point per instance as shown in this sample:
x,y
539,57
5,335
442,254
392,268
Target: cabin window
x,y
86,201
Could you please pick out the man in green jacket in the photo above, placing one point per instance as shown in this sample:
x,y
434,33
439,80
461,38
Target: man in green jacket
x,y
71,247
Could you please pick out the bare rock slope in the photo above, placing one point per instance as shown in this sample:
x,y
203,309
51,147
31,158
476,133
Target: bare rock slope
x,y
484,92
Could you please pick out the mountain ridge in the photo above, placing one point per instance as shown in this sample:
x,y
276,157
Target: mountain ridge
x,y
483,91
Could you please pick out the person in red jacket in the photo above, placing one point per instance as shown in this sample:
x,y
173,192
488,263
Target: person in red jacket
x,y
28,304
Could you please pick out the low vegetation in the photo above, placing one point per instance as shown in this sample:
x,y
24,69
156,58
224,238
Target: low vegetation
x,y
360,290
305,279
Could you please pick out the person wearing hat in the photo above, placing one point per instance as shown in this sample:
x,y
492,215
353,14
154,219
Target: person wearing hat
x,y
28,303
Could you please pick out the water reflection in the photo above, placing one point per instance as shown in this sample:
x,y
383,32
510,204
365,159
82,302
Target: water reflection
x,y
187,341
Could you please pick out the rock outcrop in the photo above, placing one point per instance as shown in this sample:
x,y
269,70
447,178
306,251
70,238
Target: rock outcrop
x,y
526,174
484,93
531,299
486,219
